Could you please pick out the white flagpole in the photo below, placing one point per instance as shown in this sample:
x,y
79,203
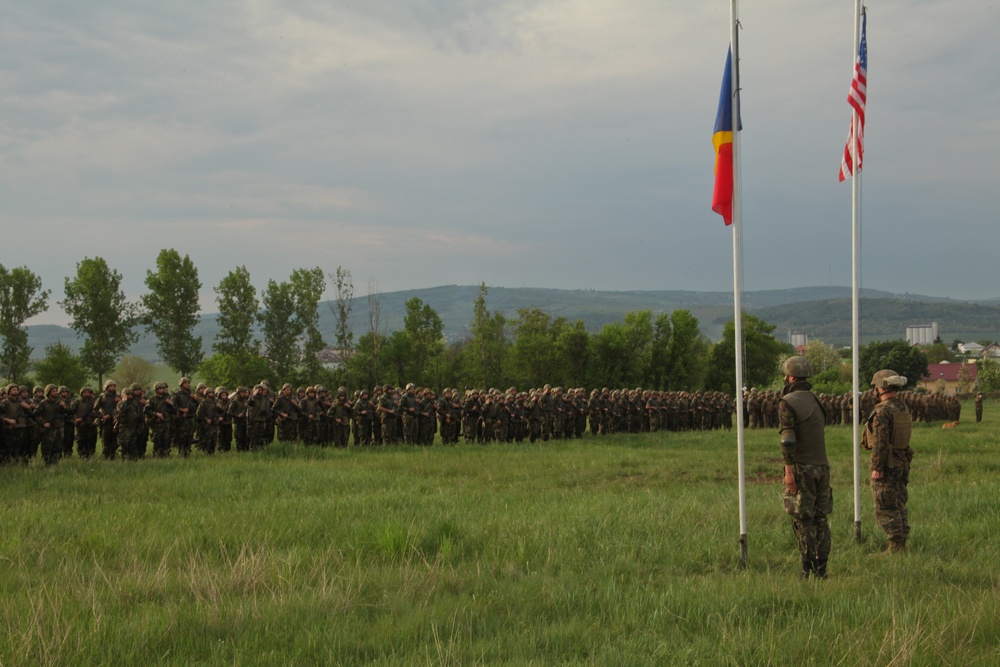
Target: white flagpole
x,y
855,287
738,272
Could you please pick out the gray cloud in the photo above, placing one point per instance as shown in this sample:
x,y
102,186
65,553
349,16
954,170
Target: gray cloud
x,y
532,143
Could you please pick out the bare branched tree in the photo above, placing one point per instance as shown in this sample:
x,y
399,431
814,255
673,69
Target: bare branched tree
x,y
375,326
344,285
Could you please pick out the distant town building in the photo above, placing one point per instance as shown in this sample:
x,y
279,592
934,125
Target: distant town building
x,y
948,376
797,339
972,349
992,351
922,334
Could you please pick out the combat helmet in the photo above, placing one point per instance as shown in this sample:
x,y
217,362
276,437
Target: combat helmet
x,y
888,379
797,367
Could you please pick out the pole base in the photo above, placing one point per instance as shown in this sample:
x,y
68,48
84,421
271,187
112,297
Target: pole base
x,y
857,532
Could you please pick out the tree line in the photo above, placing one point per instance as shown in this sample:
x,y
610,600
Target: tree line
x,y
274,333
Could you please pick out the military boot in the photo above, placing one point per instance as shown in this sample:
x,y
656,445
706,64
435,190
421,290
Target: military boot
x,y
897,545
807,567
819,568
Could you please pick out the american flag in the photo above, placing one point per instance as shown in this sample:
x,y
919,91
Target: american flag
x,y
856,98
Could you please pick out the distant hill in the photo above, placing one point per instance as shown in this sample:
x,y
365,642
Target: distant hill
x,y
820,312
830,319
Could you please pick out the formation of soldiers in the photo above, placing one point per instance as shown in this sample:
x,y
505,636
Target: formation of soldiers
x,y
760,408
215,419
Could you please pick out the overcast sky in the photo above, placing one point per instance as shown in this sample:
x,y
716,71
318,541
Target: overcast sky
x,y
521,143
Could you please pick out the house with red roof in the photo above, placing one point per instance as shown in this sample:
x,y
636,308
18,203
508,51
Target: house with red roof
x,y
947,377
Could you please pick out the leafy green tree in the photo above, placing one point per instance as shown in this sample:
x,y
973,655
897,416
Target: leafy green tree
x,y
939,352
822,357
363,371
398,362
534,357
308,286
987,375
658,374
425,330
833,380
281,328
171,307
100,314
133,368
61,366
21,298
229,371
574,345
898,355
238,306
761,357
687,354
623,350
488,344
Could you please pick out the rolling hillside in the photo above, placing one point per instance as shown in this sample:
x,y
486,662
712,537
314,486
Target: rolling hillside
x,y
821,312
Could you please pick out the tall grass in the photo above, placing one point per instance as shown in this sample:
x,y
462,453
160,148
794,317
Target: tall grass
x,y
598,551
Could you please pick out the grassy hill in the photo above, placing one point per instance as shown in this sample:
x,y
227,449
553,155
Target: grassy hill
x,y
821,312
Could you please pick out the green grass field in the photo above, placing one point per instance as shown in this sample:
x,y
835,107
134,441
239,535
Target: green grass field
x,y
611,551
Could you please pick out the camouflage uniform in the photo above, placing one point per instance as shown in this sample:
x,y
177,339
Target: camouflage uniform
x,y
364,413
801,424
286,410
104,406
887,435
340,414
207,416
130,424
387,417
182,422
408,409
237,411
158,411
50,415
85,420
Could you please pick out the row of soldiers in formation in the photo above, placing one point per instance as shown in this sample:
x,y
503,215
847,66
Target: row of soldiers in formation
x,y
760,408
215,419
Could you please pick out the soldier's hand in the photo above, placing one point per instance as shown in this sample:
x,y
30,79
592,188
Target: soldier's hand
x,y
877,474
790,480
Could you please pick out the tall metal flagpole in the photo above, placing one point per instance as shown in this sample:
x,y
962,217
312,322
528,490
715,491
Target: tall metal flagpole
x,y
738,271
855,289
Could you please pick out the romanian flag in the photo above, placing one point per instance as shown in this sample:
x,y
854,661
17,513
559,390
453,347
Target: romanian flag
x,y
722,197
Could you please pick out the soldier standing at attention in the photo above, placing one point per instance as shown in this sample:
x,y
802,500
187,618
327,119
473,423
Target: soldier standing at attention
x,y
286,408
130,423
340,414
808,497
51,416
408,409
84,419
979,407
158,410
105,406
887,435
237,411
182,421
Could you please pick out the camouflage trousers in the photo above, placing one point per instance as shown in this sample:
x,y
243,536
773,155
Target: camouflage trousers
x,y
52,445
809,508
86,440
288,429
182,430
890,496
160,434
